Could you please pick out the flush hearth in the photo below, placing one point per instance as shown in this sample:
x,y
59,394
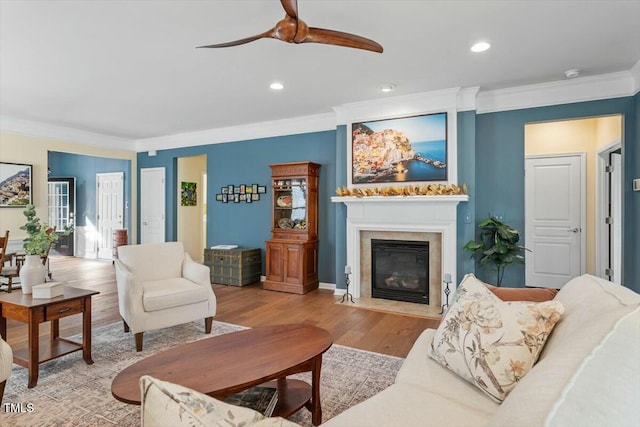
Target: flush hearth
x,y
400,270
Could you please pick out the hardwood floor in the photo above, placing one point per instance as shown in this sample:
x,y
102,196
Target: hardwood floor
x,y
387,333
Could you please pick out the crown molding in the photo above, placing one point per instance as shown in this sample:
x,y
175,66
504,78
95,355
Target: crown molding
x,y
398,106
292,126
635,72
612,85
63,133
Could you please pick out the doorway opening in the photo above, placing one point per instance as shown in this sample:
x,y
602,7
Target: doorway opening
x,y
599,139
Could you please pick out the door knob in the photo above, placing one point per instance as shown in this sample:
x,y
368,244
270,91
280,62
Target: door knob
x,y
574,230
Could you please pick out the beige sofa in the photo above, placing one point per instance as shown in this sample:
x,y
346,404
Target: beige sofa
x,y
6,363
587,375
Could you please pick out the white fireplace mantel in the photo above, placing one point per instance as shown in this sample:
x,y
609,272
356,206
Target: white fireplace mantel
x,y
430,214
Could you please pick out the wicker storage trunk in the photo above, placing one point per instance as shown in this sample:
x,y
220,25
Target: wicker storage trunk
x,y
236,267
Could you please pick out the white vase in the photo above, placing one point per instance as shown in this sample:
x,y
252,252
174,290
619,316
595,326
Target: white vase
x,y
32,273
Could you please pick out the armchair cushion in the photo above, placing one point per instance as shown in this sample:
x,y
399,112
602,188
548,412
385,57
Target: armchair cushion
x,y
174,292
154,261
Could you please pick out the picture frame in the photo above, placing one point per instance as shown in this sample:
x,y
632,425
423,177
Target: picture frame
x,y
242,188
16,185
218,197
254,188
262,189
248,198
225,198
188,194
400,150
255,197
224,190
230,188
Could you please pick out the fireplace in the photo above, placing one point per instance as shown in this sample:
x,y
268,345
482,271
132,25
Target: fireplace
x,y
414,218
400,270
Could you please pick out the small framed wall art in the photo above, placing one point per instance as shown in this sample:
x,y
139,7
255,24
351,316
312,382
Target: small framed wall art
x,y
15,185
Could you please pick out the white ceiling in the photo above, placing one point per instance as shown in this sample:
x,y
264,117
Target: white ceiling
x,y
130,68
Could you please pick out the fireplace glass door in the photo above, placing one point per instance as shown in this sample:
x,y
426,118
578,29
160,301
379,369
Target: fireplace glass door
x,y
400,270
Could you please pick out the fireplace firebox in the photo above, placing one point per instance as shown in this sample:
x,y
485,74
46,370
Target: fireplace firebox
x,y
400,270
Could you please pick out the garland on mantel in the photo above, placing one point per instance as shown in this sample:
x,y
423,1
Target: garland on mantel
x,y
407,190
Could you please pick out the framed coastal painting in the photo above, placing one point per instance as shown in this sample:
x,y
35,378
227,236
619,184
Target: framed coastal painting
x,y
15,185
399,150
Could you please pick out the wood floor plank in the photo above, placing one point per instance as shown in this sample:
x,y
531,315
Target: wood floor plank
x,y
251,306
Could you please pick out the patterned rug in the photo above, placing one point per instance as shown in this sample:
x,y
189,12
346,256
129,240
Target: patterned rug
x,y
72,393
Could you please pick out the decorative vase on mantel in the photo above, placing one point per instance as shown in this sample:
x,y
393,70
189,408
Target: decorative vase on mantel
x,y
32,272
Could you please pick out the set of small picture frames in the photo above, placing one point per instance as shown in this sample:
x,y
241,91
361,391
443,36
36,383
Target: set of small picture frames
x,y
247,193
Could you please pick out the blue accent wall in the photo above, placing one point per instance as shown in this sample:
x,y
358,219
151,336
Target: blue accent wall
x,y
499,166
466,175
247,162
84,169
341,208
490,162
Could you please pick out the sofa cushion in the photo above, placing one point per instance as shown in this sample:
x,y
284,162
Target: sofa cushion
x,y
588,373
408,405
489,342
166,404
424,372
523,294
175,292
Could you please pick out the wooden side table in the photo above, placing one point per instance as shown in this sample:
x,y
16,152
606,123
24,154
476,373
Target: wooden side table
x,y
26,309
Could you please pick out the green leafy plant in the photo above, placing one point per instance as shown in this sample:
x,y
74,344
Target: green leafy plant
x,y
40,236
498,245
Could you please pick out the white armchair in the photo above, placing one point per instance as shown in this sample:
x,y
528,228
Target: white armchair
x,y
159,286
6,363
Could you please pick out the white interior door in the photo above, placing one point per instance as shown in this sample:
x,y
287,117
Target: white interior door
x,y
110,210
554,219
152,205
615,195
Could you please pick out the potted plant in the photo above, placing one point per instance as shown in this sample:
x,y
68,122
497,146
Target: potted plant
x,y
39,239
498,245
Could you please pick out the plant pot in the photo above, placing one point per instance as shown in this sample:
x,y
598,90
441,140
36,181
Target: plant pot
x,y
32,273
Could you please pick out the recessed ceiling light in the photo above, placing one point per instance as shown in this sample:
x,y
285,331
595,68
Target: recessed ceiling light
x,y
480,47
276,86
387,87
573,73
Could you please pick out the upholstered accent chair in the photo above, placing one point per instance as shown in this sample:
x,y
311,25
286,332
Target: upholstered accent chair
x,y
159,286
6,363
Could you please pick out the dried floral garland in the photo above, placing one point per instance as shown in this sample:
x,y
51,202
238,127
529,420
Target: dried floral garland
x,y
408,190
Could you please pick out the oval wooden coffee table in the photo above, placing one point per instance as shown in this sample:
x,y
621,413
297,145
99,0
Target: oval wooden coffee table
x,y
227,364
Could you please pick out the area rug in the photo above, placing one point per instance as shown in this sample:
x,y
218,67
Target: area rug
x,y
72,393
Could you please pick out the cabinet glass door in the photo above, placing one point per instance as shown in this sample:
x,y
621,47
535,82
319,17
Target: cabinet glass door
x,y
290,197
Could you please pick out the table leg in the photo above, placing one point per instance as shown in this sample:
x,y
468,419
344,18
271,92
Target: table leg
x,y
86,331
316,417
34,348
55,330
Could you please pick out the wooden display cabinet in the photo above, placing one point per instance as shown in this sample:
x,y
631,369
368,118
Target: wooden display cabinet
x,y
292,252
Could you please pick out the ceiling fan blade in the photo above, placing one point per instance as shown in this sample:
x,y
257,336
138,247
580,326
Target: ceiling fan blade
x,y
266,34
321,35
290,7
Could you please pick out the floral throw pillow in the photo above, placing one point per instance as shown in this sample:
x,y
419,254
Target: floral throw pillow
x,y
489,342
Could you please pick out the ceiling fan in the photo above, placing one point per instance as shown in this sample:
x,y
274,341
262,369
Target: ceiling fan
x,y
291,29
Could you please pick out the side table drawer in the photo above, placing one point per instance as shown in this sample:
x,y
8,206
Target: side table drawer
x,y
63,309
